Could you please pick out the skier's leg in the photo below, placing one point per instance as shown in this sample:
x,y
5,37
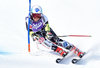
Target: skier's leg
x,y
65,45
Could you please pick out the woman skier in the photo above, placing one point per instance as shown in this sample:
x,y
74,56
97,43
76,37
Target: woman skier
x,y
39,27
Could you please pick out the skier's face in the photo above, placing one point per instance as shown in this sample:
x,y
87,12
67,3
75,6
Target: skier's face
x,y
36,19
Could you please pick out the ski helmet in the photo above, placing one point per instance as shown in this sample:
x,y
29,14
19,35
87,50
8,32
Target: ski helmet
x,y
36,9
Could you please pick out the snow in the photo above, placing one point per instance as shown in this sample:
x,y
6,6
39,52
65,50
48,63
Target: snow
x,y
65,17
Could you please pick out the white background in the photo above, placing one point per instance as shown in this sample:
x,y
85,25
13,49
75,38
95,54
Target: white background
x,y
65,17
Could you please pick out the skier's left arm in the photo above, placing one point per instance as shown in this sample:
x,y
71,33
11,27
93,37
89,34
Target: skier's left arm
x,y
47,28
48,33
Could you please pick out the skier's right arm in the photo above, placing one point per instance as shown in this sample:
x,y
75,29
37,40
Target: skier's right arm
x,y
26,21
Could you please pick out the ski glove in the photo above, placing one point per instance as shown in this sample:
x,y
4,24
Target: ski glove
x,y
49,35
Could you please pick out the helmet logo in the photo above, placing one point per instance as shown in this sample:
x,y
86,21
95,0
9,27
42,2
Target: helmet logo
x,y
37,10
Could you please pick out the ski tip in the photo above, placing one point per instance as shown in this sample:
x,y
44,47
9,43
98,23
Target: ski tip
x,y
58,60
74,61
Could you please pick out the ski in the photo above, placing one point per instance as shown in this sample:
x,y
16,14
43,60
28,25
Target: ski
x,y
74,60
69,53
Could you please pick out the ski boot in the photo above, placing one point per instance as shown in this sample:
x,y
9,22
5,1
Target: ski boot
x,y
78,52
61,52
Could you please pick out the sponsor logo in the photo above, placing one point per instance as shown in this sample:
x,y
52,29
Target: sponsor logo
x,y
36,26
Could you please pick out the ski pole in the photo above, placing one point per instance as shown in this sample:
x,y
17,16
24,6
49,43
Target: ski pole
x,y
75,36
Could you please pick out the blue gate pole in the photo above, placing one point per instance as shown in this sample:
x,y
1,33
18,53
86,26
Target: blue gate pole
x,y
29,26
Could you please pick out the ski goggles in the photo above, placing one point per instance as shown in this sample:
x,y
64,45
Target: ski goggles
x,y
36,15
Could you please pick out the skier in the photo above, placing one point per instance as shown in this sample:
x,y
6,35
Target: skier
x,y
39,27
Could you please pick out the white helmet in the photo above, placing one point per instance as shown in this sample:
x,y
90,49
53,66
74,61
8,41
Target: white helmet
x,y
36,9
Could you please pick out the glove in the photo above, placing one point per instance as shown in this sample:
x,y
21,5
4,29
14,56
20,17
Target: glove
x,y
49,35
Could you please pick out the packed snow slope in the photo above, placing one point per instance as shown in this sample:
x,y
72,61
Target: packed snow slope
x,y
65,17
